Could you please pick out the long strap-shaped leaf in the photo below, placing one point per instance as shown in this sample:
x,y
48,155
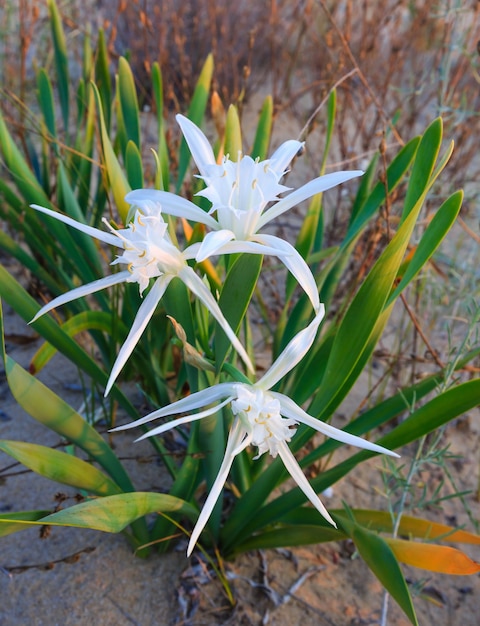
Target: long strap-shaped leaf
x,y
110,514
381,559
60,467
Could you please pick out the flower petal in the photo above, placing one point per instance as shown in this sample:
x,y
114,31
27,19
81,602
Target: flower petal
x,y
198,144
193,417
144,313
213,242
292,410
292,354
195,284
299,477
88,230
208,249
184,405
317,185
171,204
84,290
283,155
295,264
236,442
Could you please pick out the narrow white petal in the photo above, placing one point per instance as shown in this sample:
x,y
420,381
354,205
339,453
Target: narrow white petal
x,y
293,353
189,403
292,410
84,290
213,242
88,230
295,264
298,476
171,204
144,313
184,420
192,251
195,284
198,144
317,185
283,155
236,247
235,438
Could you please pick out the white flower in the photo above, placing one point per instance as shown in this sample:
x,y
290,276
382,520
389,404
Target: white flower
x,y
245,197
148,253
263,418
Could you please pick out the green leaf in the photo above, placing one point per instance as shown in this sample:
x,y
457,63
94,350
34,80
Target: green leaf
x,y
236,294
380,558
264,130
364,191
102,79
60,467
12,248
434,234
233,134
18,168
128,102
61,61
86,320
133,165
439,411
47,106
116,177
13,522
86,139
111,514
298,535
88,256
360,320
157,84
422,170
196,113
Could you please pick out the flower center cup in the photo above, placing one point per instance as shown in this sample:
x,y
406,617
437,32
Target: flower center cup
x,y
148,251
260,414
240,191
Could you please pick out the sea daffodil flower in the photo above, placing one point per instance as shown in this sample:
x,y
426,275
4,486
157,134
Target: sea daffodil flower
x,y
263,418
148,253
245,197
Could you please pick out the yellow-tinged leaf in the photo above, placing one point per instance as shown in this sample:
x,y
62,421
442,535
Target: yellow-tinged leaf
x,y
116,177
110,514
60,467
441,559
414,527
233,134
13,522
